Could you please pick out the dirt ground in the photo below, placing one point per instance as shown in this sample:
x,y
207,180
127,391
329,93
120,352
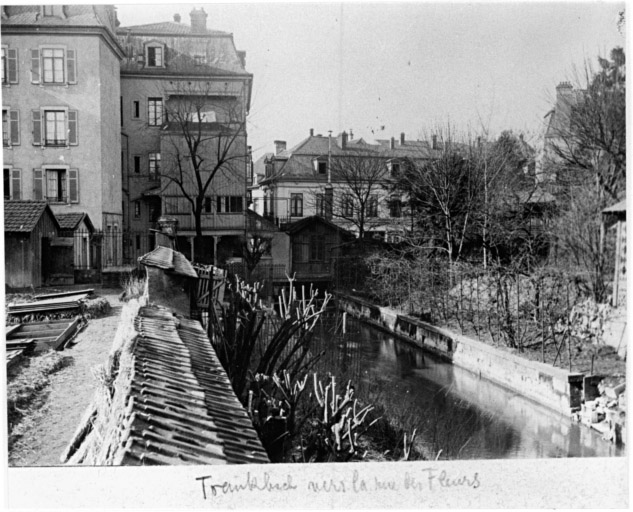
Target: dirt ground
x,y
55,415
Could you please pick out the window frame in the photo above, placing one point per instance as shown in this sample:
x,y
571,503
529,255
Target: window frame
x,y
317,247
372,207
347,205
136,159
155,118
153,164
71,181
229,205
296,204
11,179
136,109
155,46
71,126
137,209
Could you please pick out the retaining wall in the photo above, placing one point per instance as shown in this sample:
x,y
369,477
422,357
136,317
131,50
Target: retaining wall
x,y
553,387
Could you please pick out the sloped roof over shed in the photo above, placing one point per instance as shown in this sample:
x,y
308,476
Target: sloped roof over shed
x,y
70,221
167,259
23,216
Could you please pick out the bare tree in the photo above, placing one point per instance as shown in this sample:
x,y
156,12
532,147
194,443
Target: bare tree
x,y
444,193
203,138
360,177
591,140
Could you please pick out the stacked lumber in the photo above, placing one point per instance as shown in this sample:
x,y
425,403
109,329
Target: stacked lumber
x,y
47,305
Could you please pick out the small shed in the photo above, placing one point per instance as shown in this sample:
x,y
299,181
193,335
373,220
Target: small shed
x,y
315,243
614,224
73,254
29,227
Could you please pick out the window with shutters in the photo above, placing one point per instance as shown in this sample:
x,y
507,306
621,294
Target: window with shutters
x,y
53,66
12,183
56,184
55,127
10,127
155,111
9,65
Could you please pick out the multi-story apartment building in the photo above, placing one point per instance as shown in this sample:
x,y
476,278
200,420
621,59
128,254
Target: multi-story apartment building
x,y
341,179
60,121
185,95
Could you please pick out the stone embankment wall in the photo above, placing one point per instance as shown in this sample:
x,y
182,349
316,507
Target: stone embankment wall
x,y
555,388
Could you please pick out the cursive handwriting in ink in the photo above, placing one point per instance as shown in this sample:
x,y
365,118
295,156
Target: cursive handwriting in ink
x,y
250,483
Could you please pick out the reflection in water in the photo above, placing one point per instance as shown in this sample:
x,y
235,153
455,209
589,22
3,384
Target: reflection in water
x,y
454,411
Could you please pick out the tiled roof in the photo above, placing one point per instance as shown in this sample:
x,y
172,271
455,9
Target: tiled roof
x,y
299,225
74,16
170,260
23,216
181,408
72,220
259,166
169,28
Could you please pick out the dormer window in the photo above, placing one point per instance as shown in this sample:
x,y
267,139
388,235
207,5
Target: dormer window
x,y
48,10
394,168
199,60
155,55
320,165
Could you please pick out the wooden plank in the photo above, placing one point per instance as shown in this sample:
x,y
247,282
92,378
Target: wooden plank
x,y
64,294
58,325
10,329
50,333
70,330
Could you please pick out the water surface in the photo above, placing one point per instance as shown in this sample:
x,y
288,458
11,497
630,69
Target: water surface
x,y
455,411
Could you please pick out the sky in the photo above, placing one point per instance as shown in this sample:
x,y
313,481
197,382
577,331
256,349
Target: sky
x,y
380,69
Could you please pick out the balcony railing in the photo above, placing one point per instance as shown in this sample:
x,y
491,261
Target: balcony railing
x,y
55,142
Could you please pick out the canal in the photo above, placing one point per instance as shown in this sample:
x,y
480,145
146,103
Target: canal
x,y
457,414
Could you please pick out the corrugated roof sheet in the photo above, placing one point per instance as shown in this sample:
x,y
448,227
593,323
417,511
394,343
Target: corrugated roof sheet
x,y
181,408
23,216
170,260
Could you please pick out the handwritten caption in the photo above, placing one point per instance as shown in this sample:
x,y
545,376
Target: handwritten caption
x,y
427,479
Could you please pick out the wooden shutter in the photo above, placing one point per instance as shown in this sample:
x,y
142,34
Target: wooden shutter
x,y
16,184
72,127
38,193
73,185
13,65
14,118
37,127
71,66
35,66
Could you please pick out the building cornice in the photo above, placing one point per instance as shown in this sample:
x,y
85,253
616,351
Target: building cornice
x,y
102,32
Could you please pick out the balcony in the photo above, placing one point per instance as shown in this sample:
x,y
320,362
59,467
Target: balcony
x,y
55,143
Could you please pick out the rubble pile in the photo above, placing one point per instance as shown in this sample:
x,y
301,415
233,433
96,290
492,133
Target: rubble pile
x,y
607,412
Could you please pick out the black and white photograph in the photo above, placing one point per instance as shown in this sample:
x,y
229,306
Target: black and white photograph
x,y
315,255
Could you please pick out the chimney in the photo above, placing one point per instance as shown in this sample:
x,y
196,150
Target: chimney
x,y
177,18
351,134
402,139
198,21
342,140
280,145
242,57
564,89
311,132
392,143
434,141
